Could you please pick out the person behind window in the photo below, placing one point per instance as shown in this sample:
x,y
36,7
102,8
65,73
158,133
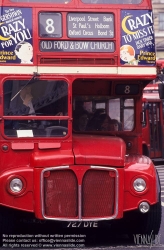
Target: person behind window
x,y
26,97
83,121
96,120
110,124
114,125
80,117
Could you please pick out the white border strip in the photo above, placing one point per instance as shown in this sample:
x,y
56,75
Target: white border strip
x,y
78,70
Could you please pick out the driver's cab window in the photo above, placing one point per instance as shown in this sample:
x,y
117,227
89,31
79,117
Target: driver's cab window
x,y
45,98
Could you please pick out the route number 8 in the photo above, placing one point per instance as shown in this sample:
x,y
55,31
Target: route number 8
x,y
127,89
50,28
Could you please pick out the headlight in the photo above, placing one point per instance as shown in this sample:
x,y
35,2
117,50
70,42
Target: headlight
x,y
16,185
139,185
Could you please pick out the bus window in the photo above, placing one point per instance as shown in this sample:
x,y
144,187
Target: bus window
x,y
162,108
112,1
129,114
42,1
39,98
144,108
114,109
103,114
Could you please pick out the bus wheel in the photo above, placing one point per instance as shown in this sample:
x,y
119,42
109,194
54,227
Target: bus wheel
x,y
144,224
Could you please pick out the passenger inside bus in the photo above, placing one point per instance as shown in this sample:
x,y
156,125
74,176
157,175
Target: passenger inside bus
x,y
103,123
98,121
110,124
80,117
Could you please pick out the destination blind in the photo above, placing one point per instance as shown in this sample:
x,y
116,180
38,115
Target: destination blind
x,y
79,25
77,46
89,25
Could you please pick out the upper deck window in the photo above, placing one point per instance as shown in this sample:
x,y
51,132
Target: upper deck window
x,y
112,1
84,1
161,21
44,98
42,1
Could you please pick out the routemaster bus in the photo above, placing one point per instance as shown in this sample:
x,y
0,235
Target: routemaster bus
x,y
153,125
71,79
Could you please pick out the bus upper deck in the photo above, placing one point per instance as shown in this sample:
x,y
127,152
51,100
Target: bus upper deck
x,y
78,37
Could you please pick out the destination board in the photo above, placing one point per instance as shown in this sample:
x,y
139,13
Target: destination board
x,y
50,24
127,89
89,25
77,46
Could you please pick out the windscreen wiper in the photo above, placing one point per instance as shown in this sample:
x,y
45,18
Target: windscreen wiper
x,y
34,78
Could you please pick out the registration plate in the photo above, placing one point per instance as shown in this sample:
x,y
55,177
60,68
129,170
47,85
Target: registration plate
x,y
82,224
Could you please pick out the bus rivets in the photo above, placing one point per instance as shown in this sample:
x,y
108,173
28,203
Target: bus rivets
x,y
5,147
129,145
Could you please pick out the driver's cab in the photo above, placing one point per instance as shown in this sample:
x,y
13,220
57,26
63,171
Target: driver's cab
x,y
35,108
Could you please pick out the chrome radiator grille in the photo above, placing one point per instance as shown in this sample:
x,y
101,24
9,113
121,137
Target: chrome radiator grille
x,y
98,193
63,198
61,194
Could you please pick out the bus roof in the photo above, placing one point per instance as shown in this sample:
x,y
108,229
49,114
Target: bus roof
x,y
151,92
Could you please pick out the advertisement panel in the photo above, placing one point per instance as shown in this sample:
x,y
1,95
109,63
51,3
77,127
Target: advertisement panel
x,y
137,38
16,45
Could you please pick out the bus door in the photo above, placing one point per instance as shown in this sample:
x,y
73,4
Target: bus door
x,y
155,130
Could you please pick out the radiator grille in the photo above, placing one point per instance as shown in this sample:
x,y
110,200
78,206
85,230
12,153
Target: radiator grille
x,y
98,194
61,194
63,198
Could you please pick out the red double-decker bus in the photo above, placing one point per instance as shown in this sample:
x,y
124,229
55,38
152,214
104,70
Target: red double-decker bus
x,y
153,125
72,74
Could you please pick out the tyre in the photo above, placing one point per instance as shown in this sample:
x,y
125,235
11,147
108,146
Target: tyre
x,y
7,220
144,224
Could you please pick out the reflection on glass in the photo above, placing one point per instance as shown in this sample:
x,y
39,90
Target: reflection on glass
x,y
129,103
128,119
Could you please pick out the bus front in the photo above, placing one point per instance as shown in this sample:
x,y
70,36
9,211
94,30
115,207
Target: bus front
x,y
72,75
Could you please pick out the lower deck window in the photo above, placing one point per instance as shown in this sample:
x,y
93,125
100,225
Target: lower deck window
x,y
103,113
32,108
